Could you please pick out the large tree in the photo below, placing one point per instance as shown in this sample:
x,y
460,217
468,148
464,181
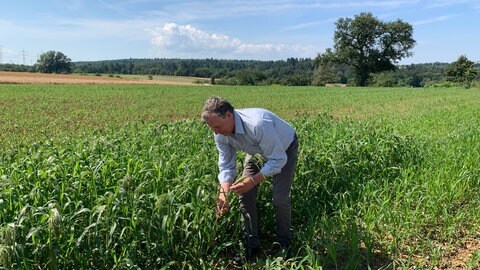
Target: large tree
x,y
369,45
54,62
461,71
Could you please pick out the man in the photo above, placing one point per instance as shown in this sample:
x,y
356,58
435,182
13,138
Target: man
x,y
254,131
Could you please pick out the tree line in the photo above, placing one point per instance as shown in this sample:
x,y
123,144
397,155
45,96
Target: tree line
x,y
292,72
295,72
366,51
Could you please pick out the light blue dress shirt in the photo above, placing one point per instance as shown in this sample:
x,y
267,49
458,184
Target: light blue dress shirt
x,y
257,131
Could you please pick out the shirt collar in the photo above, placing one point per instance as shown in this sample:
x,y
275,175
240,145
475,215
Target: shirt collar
x,y
238,123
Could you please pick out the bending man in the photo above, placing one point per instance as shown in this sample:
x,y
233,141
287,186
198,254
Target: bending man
x,y
254,131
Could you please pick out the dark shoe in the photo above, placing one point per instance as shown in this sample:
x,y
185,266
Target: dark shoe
x,y
250,255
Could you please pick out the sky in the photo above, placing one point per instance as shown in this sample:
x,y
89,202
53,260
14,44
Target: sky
x,y
91,30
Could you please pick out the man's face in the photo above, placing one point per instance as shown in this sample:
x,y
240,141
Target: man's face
x,y
219,125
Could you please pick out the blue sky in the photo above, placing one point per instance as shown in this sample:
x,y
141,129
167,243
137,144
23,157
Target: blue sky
x,y
87,30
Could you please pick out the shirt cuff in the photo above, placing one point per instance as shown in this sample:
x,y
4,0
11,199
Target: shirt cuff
x,y
226,176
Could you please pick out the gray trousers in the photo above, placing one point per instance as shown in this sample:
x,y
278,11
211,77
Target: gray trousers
x,y
282,184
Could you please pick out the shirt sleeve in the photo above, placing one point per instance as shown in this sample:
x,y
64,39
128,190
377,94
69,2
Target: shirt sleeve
x,y
272,149
226,161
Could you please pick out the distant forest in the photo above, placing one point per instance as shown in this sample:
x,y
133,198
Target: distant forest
x,y
293,71
290,72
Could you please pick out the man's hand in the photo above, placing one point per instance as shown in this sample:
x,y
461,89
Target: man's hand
x,y
222,206
245,186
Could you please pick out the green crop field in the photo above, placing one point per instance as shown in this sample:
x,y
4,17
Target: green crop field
x,y
124,177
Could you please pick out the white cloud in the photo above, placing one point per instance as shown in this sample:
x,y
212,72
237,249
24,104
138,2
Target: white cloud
x,y
173,36
186,40
445,3
433,20
194,10
304,25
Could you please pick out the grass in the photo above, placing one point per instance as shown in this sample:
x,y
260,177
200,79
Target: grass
x,y
103,177
56,111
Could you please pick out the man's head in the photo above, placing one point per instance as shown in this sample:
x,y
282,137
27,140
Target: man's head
x,y
218,114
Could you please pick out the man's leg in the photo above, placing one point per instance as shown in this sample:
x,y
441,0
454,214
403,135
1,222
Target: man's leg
x,y
282,184
248,204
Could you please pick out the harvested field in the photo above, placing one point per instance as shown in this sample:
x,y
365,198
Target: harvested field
x,y
42,78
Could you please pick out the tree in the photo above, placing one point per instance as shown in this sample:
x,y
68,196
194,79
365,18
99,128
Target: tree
x,y
383,79
369,45
250,77
461,71
327,69
54,62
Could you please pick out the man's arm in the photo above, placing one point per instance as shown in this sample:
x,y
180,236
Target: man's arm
x,y
226,160
227,168
248,183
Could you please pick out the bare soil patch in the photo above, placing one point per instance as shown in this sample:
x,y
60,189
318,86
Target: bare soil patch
x,y
463,256
42,78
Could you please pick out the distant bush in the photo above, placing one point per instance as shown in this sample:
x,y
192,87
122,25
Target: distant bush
x,y
199,81
443,84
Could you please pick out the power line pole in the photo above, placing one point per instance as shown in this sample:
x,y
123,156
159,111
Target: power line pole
x,y
23,54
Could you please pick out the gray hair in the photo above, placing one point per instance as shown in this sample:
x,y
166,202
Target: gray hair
x,y
216,105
